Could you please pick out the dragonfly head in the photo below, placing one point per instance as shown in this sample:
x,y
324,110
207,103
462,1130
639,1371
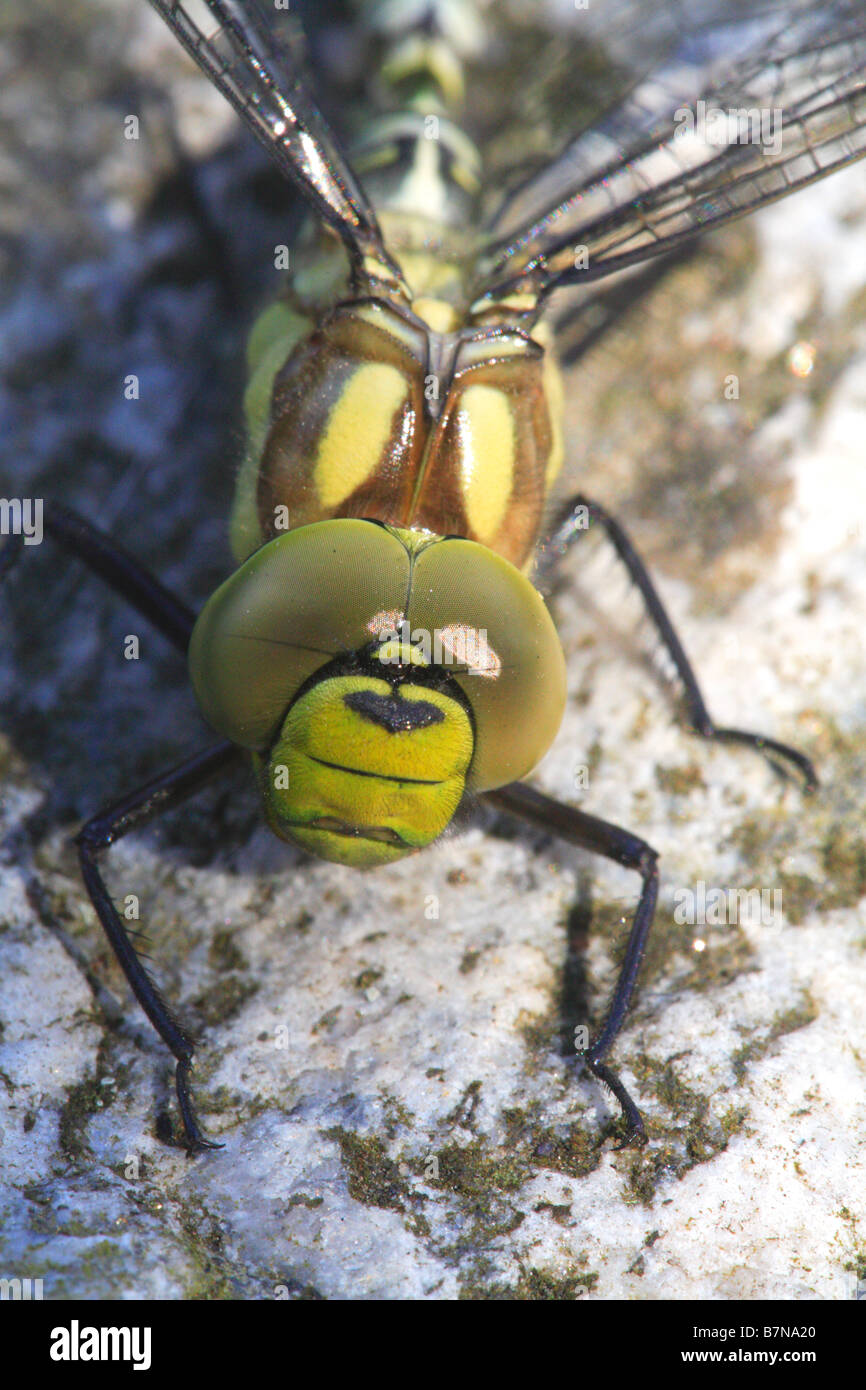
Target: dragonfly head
x,y
364,771
377,676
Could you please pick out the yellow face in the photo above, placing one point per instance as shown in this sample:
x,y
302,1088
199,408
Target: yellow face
x,y
364,772
375,675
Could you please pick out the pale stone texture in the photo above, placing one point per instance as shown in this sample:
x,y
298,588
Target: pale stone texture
x,y
398,1116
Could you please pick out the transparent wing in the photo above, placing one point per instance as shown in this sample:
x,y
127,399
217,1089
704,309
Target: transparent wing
x,y
235,43
758,102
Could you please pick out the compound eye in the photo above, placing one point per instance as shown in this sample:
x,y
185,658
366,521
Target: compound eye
x,y
304,598
491,631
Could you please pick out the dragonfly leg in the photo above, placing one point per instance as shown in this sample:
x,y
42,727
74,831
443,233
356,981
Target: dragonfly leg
x,y
574,521
105,558
620,845
101,554
111,824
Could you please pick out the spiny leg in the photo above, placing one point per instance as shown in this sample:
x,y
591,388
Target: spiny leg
x,y
622,847
101,554
570,525
115,566
110,825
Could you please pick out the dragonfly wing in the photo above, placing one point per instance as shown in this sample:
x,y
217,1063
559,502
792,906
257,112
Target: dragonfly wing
x,y
682,153
236,44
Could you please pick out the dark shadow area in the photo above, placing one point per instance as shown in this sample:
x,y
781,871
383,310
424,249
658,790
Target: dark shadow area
x,y
130,277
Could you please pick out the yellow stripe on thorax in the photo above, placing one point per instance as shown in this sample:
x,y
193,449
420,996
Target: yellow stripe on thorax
x,y
554,395
358,431
274,335
485,429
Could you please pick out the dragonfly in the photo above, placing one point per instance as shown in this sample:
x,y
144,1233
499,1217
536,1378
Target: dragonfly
x,y
381,653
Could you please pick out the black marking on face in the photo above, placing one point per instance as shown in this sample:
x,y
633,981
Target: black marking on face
x,y
392,713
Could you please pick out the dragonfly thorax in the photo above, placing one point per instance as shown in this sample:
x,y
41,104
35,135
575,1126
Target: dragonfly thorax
x,y
372,413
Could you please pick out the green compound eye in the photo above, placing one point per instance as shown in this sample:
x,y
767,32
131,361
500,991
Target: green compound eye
x,y
368,764
297,603
513,671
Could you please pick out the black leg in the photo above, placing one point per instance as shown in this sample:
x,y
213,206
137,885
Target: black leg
x,y
570,525
115,566
633,853
104,829
175,621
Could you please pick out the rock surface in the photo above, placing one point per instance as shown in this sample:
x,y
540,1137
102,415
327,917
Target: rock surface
x,y
386,1056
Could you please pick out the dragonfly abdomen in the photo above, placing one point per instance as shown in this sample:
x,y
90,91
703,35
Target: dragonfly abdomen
x,y
420,170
